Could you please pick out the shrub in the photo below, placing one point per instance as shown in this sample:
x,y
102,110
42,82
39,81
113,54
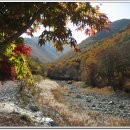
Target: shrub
x,y
22,98
37,78
84,85
35,91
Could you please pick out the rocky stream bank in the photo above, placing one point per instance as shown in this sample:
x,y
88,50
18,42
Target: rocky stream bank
x,y
24,114
115,103
76,107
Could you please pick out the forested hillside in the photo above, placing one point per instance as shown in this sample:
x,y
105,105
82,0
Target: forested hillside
x,y
114,28
104,63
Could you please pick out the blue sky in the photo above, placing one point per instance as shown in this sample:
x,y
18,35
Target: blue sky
x,y
114,11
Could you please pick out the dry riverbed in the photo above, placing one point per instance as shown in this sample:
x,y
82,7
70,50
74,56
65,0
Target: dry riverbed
x,y
103,106
67,103
71,105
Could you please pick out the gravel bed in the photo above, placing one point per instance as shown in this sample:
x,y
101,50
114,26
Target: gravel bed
x,y
114,104
8,91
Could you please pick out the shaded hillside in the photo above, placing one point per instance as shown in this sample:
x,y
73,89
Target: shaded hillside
x,y
45,53
116,27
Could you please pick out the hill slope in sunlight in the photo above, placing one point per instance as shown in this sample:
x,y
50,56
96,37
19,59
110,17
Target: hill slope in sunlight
x,y
72,66
115,27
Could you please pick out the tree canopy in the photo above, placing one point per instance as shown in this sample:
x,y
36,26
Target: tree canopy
x,y
19,18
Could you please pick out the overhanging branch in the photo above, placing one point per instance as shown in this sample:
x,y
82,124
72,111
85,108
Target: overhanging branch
x,y
23,29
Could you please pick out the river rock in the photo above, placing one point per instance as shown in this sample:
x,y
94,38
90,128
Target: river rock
x,y
111,102
78,96
93,105
52,123
103,100
49,121
121,106
69,82
66,95
88,100
128,114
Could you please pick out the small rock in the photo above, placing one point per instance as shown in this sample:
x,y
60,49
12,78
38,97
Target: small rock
x,y
30,96
111,102
109,112
84,108
88,100
52,123
123,115
36,115
78,96
103,100
121,106
93,105
128,114
49,121
72,88
69,82
94,108
125,111
34,108
100,106
66,95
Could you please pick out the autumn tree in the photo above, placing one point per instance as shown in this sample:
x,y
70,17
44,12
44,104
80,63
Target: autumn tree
x,y
19,18
89,72
107,59
113,65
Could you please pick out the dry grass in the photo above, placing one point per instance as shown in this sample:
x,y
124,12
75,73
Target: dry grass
x,y
77,83
109,120
118,122
65,117
125,94
59,93
104,90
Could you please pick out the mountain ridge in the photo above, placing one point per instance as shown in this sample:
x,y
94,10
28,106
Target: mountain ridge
x,y
45,53
115,27
49,54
